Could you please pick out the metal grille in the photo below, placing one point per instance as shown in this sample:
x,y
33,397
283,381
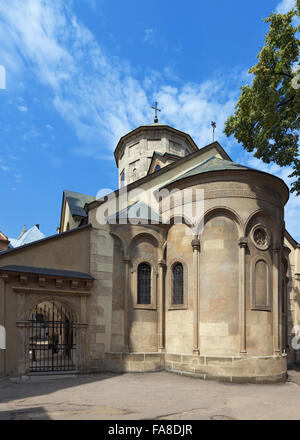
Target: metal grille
x,y
177,297
52,339
144,283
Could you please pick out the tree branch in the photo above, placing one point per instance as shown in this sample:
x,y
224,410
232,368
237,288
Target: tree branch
x,y
286,101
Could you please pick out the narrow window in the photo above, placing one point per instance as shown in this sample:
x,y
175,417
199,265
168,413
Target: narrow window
x,y
177,296
123,178
144,284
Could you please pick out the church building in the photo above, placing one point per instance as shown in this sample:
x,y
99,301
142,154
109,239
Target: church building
x,y
138,280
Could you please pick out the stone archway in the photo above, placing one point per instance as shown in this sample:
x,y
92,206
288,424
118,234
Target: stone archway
x,y
52,338
70,297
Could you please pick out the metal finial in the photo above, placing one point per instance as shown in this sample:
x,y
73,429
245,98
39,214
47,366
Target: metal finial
x,y
156,110
213,124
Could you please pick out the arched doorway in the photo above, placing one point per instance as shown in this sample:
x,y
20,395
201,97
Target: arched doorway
x,y
52,338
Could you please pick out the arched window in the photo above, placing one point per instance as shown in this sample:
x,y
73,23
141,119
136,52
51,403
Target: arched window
x,y
157,168
177,294
144,284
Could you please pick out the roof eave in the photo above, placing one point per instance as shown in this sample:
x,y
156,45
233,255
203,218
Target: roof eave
x,y
247,170
49,273
52,237
291,239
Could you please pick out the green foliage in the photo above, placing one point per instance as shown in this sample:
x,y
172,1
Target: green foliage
x,y
266,118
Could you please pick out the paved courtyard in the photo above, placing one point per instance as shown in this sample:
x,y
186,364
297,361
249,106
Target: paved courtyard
x,y
145,396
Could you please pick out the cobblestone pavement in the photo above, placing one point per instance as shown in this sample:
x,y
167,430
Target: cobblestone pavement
x,y
155,396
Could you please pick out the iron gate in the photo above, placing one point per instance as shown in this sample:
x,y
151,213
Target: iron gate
x,y
52,338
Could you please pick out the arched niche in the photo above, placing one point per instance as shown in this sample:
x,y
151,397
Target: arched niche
x,y
143,245
260,218
142,318
224,211
260,284
52,338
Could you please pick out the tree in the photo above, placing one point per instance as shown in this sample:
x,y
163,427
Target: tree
x,y
266,118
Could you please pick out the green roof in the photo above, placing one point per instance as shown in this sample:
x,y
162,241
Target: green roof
x,y
214,163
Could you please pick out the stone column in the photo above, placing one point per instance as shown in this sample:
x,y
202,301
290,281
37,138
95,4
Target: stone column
x,y
196,293
242,294
23,328
81,350
276,304
285,313
161,307
126,303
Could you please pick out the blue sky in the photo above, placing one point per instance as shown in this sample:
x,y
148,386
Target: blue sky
x,y
82,73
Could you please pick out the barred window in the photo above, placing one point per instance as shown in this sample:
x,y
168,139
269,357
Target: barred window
x,y
177,294
144,284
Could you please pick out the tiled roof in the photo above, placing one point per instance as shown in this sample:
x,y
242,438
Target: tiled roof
x,y
214,163
33,234
137,211
76,202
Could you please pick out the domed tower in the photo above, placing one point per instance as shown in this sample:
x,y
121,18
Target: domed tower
x,y
149,148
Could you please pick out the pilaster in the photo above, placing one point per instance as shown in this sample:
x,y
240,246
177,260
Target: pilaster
x,y
127,262
196,293
243,243
161,308
276,300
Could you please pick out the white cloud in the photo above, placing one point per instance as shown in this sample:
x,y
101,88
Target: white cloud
x,y
193,107
22,108
30,134
97,94
148,36
285,6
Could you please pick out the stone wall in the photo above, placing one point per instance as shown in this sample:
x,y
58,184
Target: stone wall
x,y
136,153
100,301
179,318
219,288
118,304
